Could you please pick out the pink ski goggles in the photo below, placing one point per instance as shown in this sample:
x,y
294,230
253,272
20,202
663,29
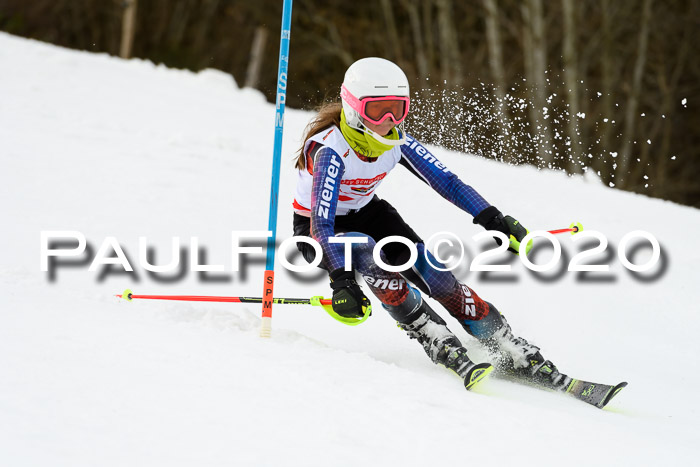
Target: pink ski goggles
x,y
377,109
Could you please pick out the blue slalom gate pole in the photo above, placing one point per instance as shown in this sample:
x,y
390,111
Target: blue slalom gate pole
x,y
269,277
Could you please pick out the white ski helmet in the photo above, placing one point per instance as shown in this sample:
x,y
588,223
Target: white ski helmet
x,y
373,77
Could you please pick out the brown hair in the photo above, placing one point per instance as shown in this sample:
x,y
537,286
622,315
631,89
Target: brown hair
x,y
328,115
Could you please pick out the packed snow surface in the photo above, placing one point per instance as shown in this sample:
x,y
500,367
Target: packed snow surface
x,y
125,149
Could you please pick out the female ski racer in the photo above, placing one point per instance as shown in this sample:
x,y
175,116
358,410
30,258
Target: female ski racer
x,y
348,150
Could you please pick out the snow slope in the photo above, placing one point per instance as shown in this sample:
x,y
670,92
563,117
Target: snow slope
x,y
126,149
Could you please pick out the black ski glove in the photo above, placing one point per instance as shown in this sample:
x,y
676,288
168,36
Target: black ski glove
x,y
492,219
348,299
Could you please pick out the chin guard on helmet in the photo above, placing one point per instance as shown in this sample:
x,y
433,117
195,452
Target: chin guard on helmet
x,y
390,142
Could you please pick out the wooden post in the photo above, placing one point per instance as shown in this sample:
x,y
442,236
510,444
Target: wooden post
x,y
252,75
128,23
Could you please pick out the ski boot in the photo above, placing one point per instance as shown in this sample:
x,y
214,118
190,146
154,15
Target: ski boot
x,y
442,346
521,361
515,357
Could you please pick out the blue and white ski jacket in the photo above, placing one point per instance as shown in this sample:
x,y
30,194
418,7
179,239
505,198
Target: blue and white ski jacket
x,y
337,182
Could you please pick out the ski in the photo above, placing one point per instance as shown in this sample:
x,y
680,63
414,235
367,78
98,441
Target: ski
x,y
595,394
543,374
476,374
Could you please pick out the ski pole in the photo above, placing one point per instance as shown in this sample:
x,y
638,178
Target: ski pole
x,y
575,227
325,303
129,295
